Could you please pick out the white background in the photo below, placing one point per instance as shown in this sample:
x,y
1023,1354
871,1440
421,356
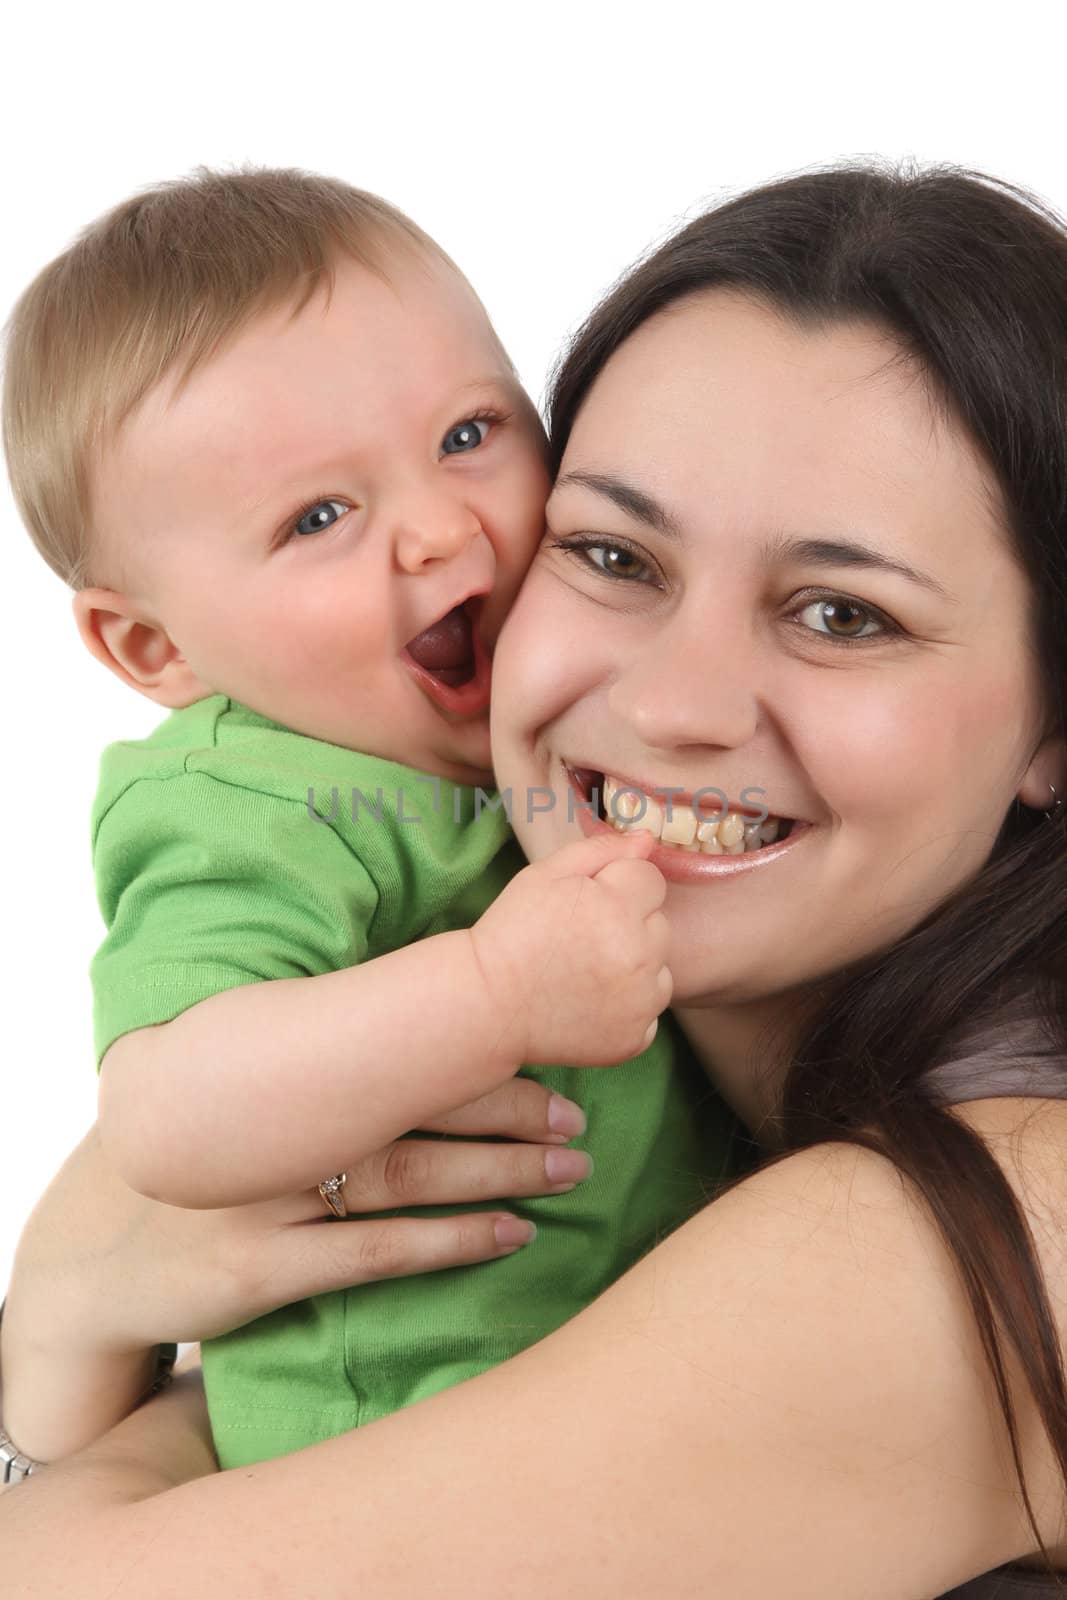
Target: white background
x,y
545,147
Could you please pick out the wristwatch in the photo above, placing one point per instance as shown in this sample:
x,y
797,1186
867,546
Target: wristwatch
x,y
15,1466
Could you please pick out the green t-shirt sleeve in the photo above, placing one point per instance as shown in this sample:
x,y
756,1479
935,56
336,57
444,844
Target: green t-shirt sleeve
x,y
205,885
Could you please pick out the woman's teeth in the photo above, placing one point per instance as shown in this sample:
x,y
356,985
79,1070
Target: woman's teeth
x,y
734,835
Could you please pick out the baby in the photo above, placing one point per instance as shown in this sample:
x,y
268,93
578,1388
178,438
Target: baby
x,y
264,429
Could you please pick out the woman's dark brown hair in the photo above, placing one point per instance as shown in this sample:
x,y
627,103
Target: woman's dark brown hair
x,y
970,275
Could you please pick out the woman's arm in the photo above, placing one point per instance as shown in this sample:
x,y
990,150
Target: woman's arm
x,y
101,1274
787,1396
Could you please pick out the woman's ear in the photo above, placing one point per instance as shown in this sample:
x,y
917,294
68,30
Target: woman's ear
x,y
135,647
1047,770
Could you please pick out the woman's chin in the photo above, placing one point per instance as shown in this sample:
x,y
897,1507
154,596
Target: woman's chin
x,y
698,991
709,972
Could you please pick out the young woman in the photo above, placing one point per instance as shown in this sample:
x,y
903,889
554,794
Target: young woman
x,y
807,538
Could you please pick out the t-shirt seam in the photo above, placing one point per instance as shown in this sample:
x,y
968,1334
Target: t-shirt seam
x,y
140,777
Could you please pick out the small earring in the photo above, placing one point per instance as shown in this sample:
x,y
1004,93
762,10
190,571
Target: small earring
x,y
1057,806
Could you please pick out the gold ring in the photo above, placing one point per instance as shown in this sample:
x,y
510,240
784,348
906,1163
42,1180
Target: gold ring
x,y
332,1191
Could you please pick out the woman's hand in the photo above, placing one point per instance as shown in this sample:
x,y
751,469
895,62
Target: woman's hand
x,y
102,1275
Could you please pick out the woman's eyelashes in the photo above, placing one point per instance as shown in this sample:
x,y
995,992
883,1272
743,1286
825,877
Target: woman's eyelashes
x,y
829,602
622,563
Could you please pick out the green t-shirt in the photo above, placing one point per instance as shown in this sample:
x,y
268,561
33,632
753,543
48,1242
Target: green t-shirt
x,y
229,850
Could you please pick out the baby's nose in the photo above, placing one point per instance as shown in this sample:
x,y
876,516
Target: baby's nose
x,y
433,531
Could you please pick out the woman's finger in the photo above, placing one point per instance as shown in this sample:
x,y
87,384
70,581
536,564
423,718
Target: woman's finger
x,y
306,1261
518,1109
426,1172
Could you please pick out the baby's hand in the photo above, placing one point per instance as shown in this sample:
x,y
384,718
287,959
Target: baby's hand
x,y
573,954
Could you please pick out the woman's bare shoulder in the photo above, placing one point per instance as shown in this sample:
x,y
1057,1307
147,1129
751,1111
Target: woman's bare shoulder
x,y
821,1291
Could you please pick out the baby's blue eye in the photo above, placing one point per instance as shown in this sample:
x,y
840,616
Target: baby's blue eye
x,y
464,436
322,515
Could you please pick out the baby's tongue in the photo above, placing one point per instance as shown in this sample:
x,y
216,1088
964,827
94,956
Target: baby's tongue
x,y
446,648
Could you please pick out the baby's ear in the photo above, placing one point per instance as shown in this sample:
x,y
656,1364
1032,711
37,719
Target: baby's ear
x,y
135,647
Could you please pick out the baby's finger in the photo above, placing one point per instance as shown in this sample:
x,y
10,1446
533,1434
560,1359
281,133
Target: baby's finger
x,y
518,1109
308,1261
639,883
658,930
588,857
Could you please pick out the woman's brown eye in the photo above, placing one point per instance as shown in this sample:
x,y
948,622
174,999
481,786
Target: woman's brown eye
x,y
614,560
848,619
619,561
849,615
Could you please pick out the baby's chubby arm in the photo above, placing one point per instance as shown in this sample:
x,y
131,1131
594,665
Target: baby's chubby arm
x,y
270,1087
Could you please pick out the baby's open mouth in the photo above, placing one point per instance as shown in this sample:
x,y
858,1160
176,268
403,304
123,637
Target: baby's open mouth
x,y
450,663
446,648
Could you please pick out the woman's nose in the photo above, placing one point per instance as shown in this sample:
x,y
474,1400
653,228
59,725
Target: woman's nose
x,y
690,685
434,528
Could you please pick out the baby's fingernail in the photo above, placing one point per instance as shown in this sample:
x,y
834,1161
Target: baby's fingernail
x,y
565,1117
511,1232
567,1166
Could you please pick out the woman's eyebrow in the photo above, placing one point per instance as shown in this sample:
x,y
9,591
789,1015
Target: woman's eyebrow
x,y
848,553
633,501
805,552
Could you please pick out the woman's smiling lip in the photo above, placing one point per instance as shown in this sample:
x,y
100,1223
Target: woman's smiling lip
x,y
683,866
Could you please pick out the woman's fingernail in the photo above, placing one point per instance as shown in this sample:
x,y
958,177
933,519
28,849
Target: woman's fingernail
x,y
510,1232
565,1117
567,1166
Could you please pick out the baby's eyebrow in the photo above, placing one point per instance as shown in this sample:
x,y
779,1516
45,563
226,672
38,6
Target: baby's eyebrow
x,y
496,380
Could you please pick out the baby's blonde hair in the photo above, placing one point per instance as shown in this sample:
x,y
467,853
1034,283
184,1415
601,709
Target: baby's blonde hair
x,y
154,287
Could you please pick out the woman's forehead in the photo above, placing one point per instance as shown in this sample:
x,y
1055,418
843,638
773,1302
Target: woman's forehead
x,y
728,357
722,409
